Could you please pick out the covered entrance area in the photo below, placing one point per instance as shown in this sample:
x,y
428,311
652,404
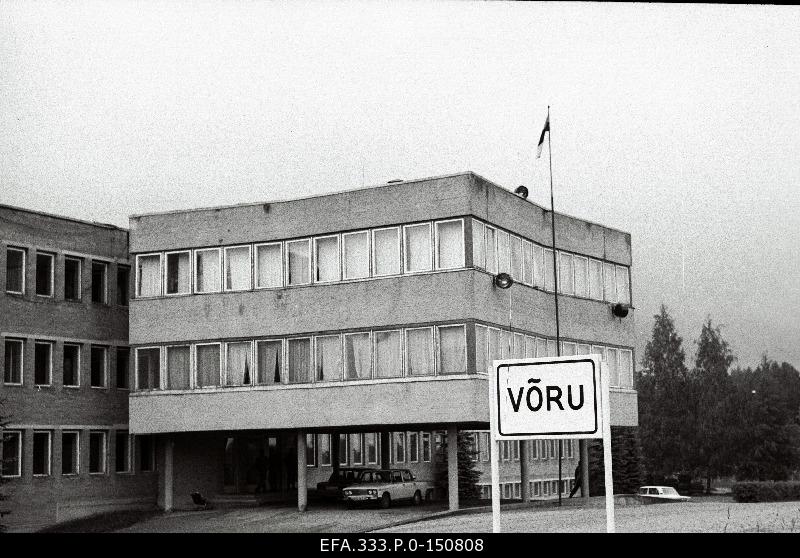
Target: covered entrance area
x,y
264,465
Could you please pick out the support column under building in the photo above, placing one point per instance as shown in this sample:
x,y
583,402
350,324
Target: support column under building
x,y
169,474
583,447
302,481
386,451
335,453
452,466
524,471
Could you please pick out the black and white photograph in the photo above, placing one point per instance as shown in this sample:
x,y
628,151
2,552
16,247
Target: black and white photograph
x,y
399,275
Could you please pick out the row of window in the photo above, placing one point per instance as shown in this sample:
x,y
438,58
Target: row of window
x,y
538,489
42,465
324,259
45,272
509,449
495,344
410,352
357,449
43,365
498,251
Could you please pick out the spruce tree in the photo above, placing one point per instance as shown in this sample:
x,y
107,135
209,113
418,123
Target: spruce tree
x,y
468,475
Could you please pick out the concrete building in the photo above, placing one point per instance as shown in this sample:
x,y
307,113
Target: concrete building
x,y
66,449
300,336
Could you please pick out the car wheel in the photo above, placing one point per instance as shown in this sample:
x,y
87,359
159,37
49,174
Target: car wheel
x,y
386,501
417,498
429,495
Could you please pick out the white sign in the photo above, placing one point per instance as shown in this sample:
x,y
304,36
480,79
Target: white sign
x,y
548,398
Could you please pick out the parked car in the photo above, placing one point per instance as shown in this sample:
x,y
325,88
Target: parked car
x,y
387,486
347,476
660,494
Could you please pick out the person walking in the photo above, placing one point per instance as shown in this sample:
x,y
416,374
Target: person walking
x,y
578,478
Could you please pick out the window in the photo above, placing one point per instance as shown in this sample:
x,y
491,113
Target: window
x,y
299,360
238,370
399,447
581,276
503,256
123,367
207,363
15,271
311,450
72,278
413,447
506,341
537,488
123,284
237,268
484,447
70,453
491,250
343,449
147,454
494,344
595,280
609,282
298,262
356,451
515,450
517,489
478,244
452,350
269,265
613,368
450,244
506,450
552,444
545,488
625,368
388,354
623,285
99,367
530,347
207,271
426,447
568,349
598,350
552,349
583,349
534,448
179,267
328,358
148,275
386,251
42,363
419,351
44,274
417,247
72,365
519,346
527,262
178,367
122,452
99,282
269,355
566,281
570,450
481,349
148,368
324,441
516,259
326,259
357,356
538,266
547,266
97,452
371,447
11,465
355,255
41,454
475,446
541,347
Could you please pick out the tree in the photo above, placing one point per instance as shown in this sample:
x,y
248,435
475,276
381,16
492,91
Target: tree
x,y
664,411
626,463
468,475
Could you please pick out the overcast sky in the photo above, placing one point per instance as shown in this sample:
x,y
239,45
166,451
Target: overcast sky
x,y
678,124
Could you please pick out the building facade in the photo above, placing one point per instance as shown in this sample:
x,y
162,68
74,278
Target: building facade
x,y
66,447
356,328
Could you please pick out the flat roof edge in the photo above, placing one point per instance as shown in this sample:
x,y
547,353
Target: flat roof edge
x,y
63,217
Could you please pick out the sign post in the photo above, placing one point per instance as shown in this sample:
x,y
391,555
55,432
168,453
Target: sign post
x,y
549,398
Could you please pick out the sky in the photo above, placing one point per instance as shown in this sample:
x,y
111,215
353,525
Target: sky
x,y
677,123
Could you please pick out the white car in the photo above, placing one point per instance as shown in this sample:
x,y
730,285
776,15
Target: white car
x,y
387,486
660,494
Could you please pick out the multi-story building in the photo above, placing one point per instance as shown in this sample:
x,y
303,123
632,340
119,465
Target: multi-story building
x,y
300,336
66,449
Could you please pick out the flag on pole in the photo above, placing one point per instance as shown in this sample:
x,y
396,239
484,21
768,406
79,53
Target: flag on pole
x,y
541,138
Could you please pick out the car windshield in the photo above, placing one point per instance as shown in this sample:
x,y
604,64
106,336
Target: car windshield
x,y
668,490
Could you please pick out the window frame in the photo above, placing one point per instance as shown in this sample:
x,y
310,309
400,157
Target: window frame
x,y
606,296
315,264
309,267
371,343
398,246
161,267
407,359
346,449
77,383
395,446
311,360
403,357
51,280
50,351
257,268
161,353
195,276
166,371
478,244
311,449
351,451
495,260
316,370
49,460
405,267
195,361
126,299
226,259
438,350
104,348
104,452
426,436
566,257
106,267
165,269
224,370
24,268
342,266
117,350
518,241
77,456
461,249
128,444
257,362
413,457
330,450
79,283
622,271
583,261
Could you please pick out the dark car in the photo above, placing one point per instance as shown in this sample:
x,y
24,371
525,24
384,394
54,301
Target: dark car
x,y
332,488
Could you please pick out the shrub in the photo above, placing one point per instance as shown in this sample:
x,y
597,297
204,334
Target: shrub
x,y
766,491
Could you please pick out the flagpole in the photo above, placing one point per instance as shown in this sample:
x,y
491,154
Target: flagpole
x,y
555,274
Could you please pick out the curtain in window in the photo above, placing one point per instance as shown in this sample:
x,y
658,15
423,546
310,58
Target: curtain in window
x,y
237,268
356,255
418,247
207,272
149,275
357,356
388,354
178,273
299,361
208,365
419,349
269,266
581,276
478,244
329,358
595,280
298,259
481,349
387,251
327,259
269,362
610,283
449,244
452,350
237,365
623,287
178,368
